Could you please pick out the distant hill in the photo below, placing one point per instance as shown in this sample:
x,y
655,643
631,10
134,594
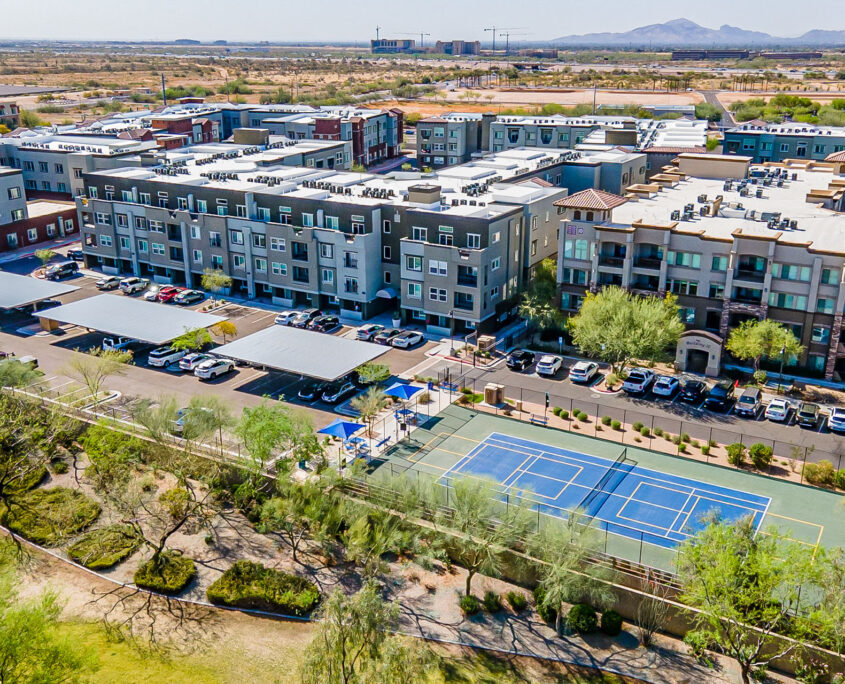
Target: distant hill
x,y
682,33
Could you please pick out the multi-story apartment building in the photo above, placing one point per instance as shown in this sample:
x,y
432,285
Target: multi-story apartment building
x,y
730,242
25,223
375,134
10,115
557,132
448,251
12,195
449,139
458,47
765,142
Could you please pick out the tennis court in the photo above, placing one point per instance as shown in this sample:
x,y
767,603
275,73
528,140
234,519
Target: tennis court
x,y
630,500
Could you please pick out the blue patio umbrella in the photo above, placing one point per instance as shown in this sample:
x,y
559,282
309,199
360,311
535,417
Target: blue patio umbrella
x,y
402,391
341,428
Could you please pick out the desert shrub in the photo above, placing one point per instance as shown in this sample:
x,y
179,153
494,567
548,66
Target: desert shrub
x,y
582,618
425,398
557,410
48,516
517,600
104,547
576,411
761,455
470,605
611,379
676,440
698,643
169,576
712,443
736,454
705,449
605,420
616,425
251,585
658,431
685,438
821,473
546,613
30,481
839,479
611,622
637,426
492,602
564,414
582,416
682,448
644,431
59,467
695,443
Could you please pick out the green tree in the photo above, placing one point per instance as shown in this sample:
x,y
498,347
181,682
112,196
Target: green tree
x,y
746,586
263,429
215,281
372,373
616,326
353,644
195,339
44,255
757,339
369,405
290,514
705,110
225,329
31,119
539,306
13,373
96,366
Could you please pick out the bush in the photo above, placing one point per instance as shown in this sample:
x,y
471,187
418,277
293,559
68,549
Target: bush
x,y
637,427
251,585
104,547
564,414
658,431
676,440
685,438
611,379
682,448
517,600
761,455
557,410
48,516
547,613
736,454
582,416
30,481
616,425
611,622
492,602
425,398
605,420
698,643
705,449
470,605
839,479
582,618
821,473
59,467
644,431
576,411
169,576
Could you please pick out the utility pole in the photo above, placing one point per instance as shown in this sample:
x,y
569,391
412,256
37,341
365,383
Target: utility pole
x,y
163,91
378,28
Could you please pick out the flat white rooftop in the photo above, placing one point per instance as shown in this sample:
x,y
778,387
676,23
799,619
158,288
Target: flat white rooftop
x,y
20,290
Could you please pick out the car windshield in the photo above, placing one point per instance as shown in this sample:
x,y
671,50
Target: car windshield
x,y
746,400
636,376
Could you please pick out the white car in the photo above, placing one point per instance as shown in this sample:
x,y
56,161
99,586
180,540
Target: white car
x,y
665,386
583,371
108,282
367,332
549,364
151,295
189,362
214,368
778,410
116,343
165,356
638,380
836,420
132,285
407,339
286,317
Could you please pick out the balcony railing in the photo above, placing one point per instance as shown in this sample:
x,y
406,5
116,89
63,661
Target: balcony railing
x,y
748,297
753,276
465,304
648,262
300,256
468,281
612,261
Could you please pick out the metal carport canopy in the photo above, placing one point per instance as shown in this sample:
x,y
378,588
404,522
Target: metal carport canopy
x,y
20,290
134,318
305,352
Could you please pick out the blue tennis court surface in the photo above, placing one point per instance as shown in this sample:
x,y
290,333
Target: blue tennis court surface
x,y
635,502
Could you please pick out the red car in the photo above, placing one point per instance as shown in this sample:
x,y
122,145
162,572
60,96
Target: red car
x,y
166,294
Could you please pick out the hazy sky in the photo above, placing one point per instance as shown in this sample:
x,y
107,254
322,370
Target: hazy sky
x,y
310,20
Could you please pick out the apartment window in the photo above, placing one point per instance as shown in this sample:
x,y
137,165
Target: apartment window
x,y
259,240
385,227
285,216
140,223
821,334
683,287
358,227
496,264
261,264
195,232
445,235
28,166
533,248
494,292
719,263
124,242
32,234
240,210
277,244
784,147
197,256
576,249
122,220
43,167
687,315
790,272
332,222
102,219
300,274
202,206
350,259
326,250
327,276
236,237
126,195
413,263
17,214
14,193
144,198
575,276
214,239
414,290
351,285
419,234
830,276
438,268
217,262
182,203
238,261
279,269
263,214
51,230
685,259
308,220
176,254
77,173
387,277
158,248
12,240
783,300
385,253
437,294
143,246
717,291
824,305
473,241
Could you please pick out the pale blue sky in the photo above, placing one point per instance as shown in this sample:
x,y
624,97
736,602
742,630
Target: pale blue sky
x,y
314,20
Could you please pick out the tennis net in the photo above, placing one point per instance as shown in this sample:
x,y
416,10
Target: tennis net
x,y
591,504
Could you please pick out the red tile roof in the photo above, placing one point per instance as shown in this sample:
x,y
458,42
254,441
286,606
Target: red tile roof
x,y
592,199
537,181
836,157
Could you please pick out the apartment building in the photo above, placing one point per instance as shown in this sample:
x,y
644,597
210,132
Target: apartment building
x,y
12,195
25,223
458,47
449,252
558,132
10,115
770,142
731,240
449,139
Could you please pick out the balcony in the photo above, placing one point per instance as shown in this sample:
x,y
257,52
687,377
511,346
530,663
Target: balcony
x,y
648,256
747,295
606,279
348,261
612,261
464,301
299,255
648,283
468,277
752,276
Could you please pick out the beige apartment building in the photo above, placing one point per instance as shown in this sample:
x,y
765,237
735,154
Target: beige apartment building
x,y
731,240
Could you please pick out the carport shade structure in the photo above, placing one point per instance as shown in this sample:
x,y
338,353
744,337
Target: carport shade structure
x,y
133,318
20,290
305,352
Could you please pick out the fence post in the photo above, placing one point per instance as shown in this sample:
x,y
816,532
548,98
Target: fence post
x,y
803,464
641,548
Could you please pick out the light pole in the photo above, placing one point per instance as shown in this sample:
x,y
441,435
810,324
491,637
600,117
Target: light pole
x,y
780,375
452,332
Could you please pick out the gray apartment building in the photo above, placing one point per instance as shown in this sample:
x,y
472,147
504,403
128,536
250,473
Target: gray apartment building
x,y
448,252
12,196
775,142
450,139
730,240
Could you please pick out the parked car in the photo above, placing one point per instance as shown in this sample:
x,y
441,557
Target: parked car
x,y
638,381
368,331
117,343
44,304
133,285
76,255
151,295
665,386
214,368
520,359
63,270
836,420
808,414
188,297
108,283
778,410
189,362
285,317
324,323
720,395
692,390
749,402
168,293
312,389
386,336
303,318
583,371
549,364
407,339
338,391
165,356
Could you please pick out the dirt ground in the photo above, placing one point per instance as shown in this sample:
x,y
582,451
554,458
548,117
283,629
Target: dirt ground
x,y
728,97
573,97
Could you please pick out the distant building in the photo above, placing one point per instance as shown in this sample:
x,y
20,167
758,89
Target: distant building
x,y
538,53
392,45
789,140
458,47
791,55
678,55
10,115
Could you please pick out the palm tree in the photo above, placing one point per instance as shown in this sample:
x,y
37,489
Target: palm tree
x,y
369,404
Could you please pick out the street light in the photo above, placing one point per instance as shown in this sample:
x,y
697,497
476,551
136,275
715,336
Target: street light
x,y
782,355
452,332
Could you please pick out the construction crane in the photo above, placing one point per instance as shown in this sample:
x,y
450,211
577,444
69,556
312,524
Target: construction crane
x,y
496,29
420,34
507,35
378,28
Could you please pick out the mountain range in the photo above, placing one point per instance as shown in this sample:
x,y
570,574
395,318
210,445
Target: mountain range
x,y
681,33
